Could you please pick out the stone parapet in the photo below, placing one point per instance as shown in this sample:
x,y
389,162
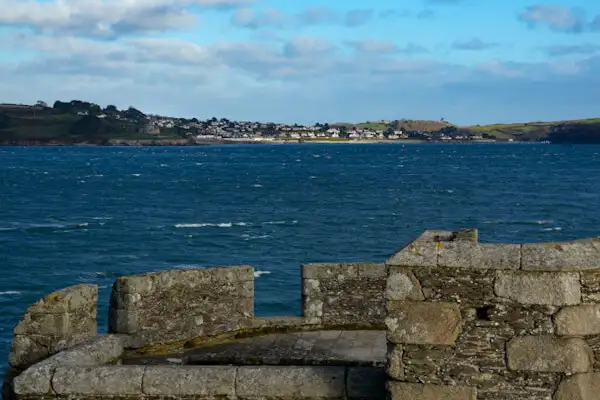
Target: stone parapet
x,y
206,382
344,293
162,307
467,320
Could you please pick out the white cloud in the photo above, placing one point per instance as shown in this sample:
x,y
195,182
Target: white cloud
x,y
103,18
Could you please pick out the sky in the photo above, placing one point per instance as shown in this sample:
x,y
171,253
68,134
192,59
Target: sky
x,y
306,61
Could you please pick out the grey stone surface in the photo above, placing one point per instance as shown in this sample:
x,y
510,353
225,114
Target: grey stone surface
x,y
198,302
575,255
419,253
394,366
196,381
466,254
344,293
579,387
544,288
341,348
581,320
549,354
93,352
56,322
422,322
417,391
290,382
402,285
366,383
114,380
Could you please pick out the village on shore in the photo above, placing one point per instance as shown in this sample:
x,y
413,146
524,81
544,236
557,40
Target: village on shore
x,y
109,125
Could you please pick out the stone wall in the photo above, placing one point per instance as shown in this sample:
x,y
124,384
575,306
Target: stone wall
x,y
202,382
344,293
168,306
493,321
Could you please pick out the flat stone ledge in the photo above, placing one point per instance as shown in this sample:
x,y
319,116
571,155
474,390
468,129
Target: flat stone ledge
x,y
549,354
579,387
466,254
210,382
417,391
582,320
290,382
114,380
539,288
423,322
575,255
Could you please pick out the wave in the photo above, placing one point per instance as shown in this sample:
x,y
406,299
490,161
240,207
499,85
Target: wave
x,y
258,274
556,228
507,222
42,227
229,224
251,237
10,293
211,225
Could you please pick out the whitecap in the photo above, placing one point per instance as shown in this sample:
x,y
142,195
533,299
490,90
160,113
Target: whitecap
x,y
258,274
211,225
251,237
257,185
9,293
136,174
556,228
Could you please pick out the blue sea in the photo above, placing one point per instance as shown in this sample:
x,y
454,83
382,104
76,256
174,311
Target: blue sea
x,y
91,214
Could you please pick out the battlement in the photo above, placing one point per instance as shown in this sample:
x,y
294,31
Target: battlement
x,y
463,320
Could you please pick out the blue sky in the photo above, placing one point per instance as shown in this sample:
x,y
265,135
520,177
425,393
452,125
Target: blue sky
x,y
468,61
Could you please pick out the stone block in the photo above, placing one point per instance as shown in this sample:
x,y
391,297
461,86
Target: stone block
x,y
193,381
417,391
466,254
549,354
290,382
403,285
122,321
581,320
330,270
423,322
393,366
114,380
579,387
366,383
371,270
540,288
575,255
313,308
66,300
419,253
95,351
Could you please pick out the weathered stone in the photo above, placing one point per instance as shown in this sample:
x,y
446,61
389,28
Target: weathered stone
x,y
366,383
575,255
419,253
544,288
114,380
582,320
95,351
290,382
199,302
466,254
66,300
402,285
371,270
549,354
417,391
56,322
579,387
196,381
423,322
330,270
394,366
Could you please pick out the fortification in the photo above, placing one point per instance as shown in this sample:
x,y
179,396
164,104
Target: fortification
x,y
462,321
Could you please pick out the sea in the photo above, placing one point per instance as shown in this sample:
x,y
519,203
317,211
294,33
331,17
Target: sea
x,y
71,215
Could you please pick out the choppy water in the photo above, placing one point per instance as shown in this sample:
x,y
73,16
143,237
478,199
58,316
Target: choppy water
x,y
90,214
